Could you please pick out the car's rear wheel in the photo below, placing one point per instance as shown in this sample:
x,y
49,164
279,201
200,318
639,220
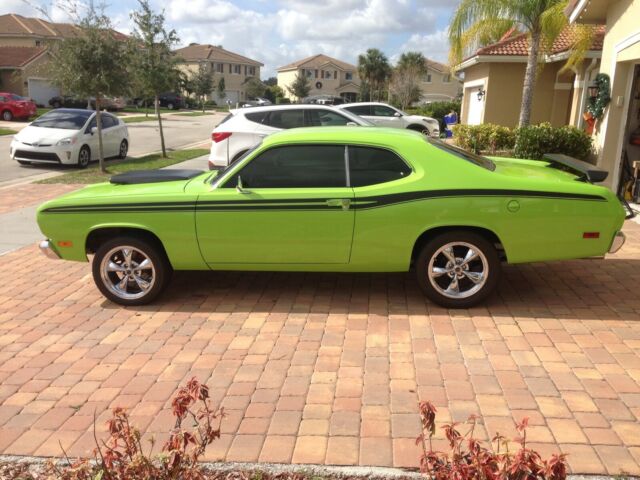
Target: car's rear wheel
x,y
84,157
421,129
124,148
171,106
458,269
7,116
130,271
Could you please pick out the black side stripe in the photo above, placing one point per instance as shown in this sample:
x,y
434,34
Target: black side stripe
x,y
318,203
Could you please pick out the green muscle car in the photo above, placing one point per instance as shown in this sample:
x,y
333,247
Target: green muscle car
x,y
338,199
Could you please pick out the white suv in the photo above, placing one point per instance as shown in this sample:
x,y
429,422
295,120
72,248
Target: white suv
x,y
243,128
384,115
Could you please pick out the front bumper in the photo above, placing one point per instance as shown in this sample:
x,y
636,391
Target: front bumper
x,y
618,242
47,249
43,154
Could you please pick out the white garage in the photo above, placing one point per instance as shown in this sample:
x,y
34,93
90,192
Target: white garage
x,y
41,90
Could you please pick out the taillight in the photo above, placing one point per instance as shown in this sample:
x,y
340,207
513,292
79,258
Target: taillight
x,y
220,136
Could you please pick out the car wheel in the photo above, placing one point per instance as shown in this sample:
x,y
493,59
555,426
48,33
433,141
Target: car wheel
x,y
130,271
458,269
7,116
124,148
170,106
84,157
421,129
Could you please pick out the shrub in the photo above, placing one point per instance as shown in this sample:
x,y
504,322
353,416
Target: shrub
x,y
484,138
534,141
470,460
438,110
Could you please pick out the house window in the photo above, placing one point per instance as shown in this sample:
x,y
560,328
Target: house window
x,y
335,74
309,73
236,69
38,43
220,67
348,76
427,78
252,71
446,78
316,75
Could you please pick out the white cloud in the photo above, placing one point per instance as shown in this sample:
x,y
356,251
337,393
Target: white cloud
x,y
433,45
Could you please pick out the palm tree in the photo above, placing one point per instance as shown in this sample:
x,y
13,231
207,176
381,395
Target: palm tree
x,y
414,60
374,70
478,22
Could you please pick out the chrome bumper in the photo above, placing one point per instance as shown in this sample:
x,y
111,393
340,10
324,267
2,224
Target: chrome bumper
x,y
47,249
617,243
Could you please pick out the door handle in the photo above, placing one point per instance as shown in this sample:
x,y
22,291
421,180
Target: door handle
x,y
345,203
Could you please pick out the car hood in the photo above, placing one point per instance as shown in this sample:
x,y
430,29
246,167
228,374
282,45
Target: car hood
x,y
31,134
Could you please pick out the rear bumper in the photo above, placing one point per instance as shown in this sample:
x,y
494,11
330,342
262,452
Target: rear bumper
x,y
48,251
618,242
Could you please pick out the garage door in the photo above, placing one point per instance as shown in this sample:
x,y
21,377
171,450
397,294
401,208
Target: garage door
x,y
41,91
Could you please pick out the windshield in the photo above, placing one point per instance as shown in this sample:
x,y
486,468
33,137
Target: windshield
x,y
64,119
224,170
478,160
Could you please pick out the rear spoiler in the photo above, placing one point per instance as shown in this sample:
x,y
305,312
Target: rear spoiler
x,y
585,171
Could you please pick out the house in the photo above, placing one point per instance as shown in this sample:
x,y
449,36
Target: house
x,y
234,68
621,62
327,76
494,75
439,84
24,59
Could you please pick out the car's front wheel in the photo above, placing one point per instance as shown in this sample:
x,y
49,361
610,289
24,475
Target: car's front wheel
x,y
84,157
7,116
458,269
171,106
130,271
124,148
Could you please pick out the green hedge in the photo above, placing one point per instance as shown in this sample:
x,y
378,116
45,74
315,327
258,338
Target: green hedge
x,y
438,110
530,142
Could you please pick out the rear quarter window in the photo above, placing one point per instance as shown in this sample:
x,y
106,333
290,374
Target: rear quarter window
x,y
257,117
371,166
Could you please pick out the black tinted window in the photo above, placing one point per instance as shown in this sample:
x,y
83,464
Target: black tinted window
x,y
324,118
301,166
382,111
286,119
108,121
369,166
360,109
258,117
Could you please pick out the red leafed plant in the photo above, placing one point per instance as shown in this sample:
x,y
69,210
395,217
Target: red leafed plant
x,y
468,459
121,456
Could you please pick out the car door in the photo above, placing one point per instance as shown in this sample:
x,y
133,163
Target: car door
x,y
385,116
110,136
320,117
288,205
92,139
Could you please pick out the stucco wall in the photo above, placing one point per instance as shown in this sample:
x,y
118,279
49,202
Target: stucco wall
x,y
14,80
234,83
329,86
8,41
438,88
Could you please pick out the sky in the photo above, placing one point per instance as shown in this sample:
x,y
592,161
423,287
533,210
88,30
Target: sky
x,y
278,32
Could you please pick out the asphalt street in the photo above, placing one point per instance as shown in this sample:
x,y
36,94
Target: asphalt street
x,y
180,131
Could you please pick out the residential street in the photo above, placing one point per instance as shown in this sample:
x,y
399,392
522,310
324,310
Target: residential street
x,y
179,130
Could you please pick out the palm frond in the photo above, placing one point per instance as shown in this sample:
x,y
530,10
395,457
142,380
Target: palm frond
x,y
552,22
583,36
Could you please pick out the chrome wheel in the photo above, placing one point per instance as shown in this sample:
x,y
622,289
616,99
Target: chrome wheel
x,y
458,270
123,149
127,272
84,157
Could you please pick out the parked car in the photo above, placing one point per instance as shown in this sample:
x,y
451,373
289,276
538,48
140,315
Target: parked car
x,y
170,100
324,99
256,102
14,106
241,129
68,136
385,115
337,199
68,101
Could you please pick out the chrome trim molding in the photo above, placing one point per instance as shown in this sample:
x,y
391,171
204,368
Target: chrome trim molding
x,y
618,242
48,251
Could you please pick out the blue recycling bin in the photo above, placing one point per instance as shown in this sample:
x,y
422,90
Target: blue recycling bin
x,y
449,121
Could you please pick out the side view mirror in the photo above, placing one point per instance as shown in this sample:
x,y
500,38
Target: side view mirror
x,y
239,187
397,114
94,130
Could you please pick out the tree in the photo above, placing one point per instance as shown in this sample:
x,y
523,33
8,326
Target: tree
x,y
202,80
300,87
153,62
93,63
477,22
221,90
274,93
271,81
374,69
412,61
254,88
405,78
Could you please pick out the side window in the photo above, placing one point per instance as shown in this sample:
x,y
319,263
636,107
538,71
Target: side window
x,y
3,99
382,111
370,166
297,166
324,118
92,123
108,121
286,119
257,117
360,109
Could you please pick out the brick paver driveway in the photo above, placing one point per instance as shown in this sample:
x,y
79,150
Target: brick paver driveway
x,y
319,368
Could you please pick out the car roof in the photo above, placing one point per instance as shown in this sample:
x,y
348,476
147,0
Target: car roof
x,y
353,104
264,108
78,111
346,134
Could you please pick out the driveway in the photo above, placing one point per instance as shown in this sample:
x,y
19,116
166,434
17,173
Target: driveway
x,y
328,368
180,131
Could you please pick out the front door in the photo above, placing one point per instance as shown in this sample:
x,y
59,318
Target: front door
x,y
287,205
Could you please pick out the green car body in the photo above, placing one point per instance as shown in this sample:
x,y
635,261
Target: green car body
x,y
529,211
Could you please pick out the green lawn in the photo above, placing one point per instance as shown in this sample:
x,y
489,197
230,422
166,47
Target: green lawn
x,y
149,110
6,131
147,162
41,111
138,119
194,114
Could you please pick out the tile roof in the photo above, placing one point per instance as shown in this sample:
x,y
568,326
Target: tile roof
x,y
12,24
518,44
197,52
317,61
433,65
16,57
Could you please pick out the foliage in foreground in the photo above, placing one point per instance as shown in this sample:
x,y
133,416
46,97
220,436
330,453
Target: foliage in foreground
x,y
468,459
147,162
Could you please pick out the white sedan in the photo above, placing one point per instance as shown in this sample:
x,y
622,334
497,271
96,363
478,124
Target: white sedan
x,y
69,136
384,115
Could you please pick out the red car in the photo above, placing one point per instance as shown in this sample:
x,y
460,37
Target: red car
x,y
14,106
